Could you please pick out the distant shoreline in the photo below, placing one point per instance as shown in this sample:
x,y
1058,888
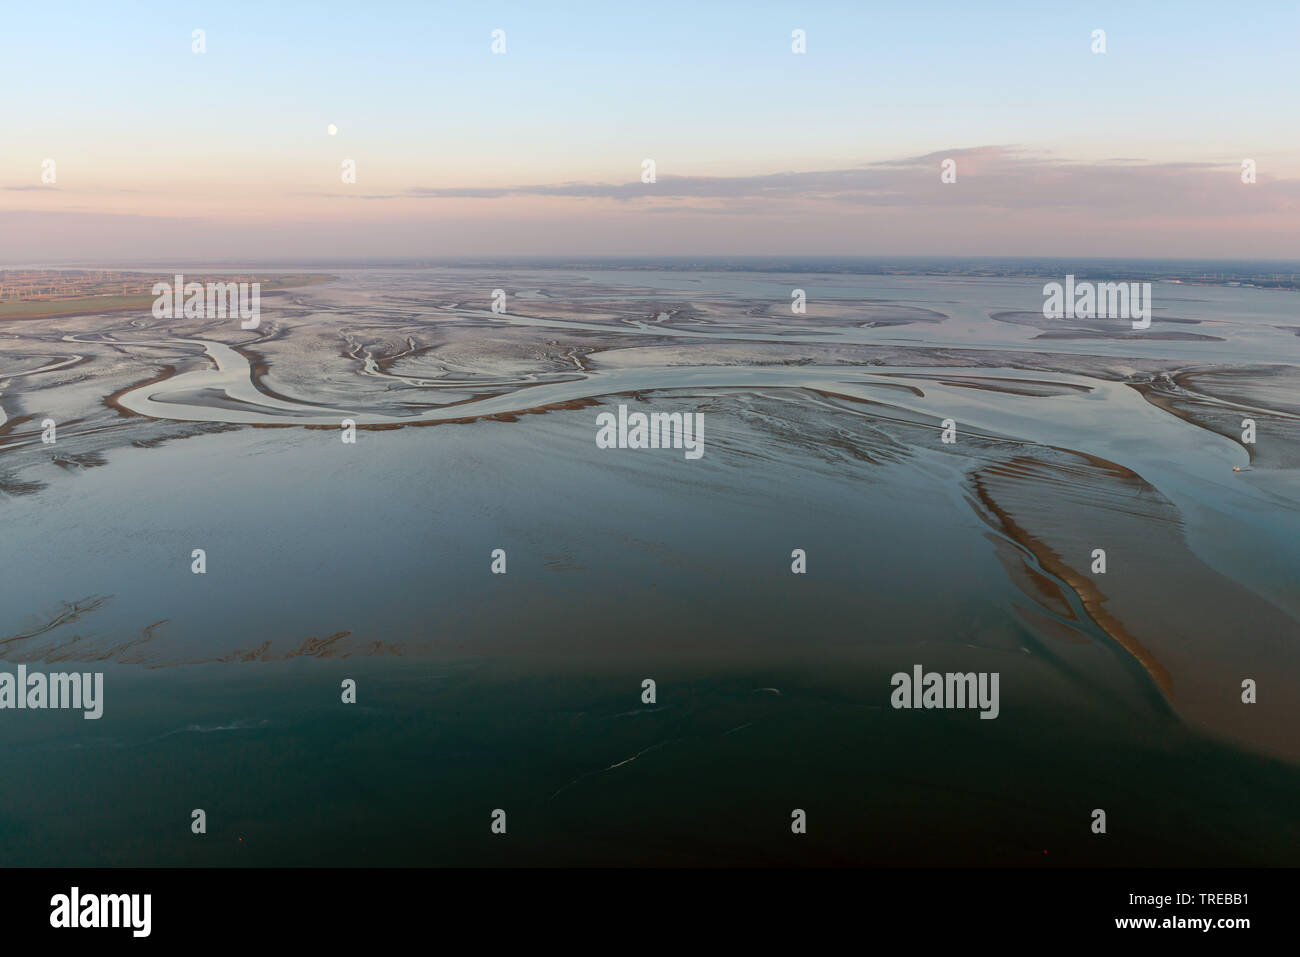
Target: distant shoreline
x,y
23,309
1275,274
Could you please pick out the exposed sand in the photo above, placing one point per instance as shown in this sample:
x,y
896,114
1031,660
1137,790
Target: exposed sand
x,y
1196,632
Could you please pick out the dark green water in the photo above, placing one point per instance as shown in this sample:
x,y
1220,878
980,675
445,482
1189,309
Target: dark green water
x,y
523,692
413,771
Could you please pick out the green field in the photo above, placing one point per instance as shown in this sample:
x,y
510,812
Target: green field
x,y
84,305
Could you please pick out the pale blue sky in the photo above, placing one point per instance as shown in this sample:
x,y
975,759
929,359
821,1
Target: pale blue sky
x,y
586,90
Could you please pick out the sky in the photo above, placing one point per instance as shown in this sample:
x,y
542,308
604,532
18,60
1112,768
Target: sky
x,y
156,150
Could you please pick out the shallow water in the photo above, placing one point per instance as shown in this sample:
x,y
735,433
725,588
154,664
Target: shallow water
x,y
523,691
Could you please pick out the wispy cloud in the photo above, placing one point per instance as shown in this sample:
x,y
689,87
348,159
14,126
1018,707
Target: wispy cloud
x,y
997,177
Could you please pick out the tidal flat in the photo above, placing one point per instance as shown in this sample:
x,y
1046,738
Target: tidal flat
x,y
962,548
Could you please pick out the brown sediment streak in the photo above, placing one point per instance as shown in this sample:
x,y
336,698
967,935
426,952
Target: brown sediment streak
x,y
570,404
112,401
66,428
72,365
1168,403
83,460
196,428
8,427
12,487
21,647
258,367
995,384
74,650
1184,381
331,646
1048,589
1089,594
567,404
72,611
822,390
